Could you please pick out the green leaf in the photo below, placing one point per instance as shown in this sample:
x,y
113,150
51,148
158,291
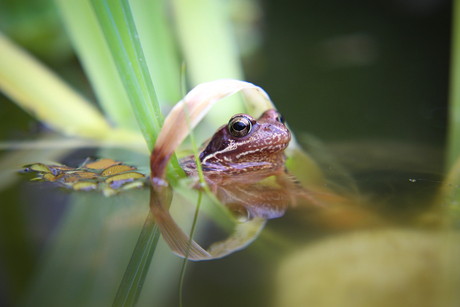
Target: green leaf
x,y
208,43
160,48
94,55
120,32
43,94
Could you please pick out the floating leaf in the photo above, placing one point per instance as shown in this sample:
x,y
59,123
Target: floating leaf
x,y
37,167
76,176
49,177
116,169
101,164
58,169
107,175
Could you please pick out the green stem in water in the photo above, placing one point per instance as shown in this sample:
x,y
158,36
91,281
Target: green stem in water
x,y
133,280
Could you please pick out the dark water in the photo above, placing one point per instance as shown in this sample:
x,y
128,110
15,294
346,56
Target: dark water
x,y
359,69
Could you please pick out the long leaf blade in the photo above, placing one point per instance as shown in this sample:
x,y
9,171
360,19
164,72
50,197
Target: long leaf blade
x,y
94,55
62,108
118,26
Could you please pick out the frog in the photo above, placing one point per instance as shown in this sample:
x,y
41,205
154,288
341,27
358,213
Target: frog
x,y
239,157
244,165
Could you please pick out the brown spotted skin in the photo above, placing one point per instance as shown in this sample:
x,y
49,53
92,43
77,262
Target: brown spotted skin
x,y
258,155
234,166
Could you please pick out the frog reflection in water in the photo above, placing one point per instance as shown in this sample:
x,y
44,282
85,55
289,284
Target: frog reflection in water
x,y
244,166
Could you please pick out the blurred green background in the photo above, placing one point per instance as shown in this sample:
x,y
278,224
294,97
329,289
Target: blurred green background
x,y
338,70
353,72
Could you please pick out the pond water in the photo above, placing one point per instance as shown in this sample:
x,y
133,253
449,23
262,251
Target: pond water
x,y
388,245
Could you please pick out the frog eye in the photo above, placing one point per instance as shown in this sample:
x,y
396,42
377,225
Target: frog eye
x,y
239,126
280,118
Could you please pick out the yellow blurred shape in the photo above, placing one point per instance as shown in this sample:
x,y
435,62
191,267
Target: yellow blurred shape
x,y
49,177
133,185
84,186
379,268
117,180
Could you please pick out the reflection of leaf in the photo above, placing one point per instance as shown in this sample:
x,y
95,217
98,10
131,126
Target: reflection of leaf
x,y
244,234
